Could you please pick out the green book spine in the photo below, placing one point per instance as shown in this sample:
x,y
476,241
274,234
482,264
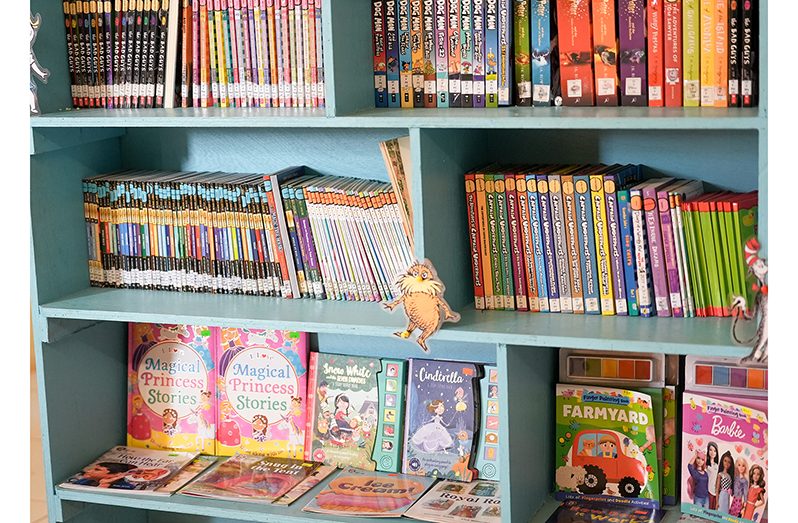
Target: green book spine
x,y
523,67
691,52
719,245
504,242
706,244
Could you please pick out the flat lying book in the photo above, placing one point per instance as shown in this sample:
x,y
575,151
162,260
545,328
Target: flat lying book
x,y
580,511
134,471
255,479
455,501
316,477
356,492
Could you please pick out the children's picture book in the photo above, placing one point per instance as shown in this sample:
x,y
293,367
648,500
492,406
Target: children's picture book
x,y
390,421
356,492
455,501
261,401
581,511
724,458
316,477
605,446
442,419
171,387
487,457
256,479
132,470
344,407
196,467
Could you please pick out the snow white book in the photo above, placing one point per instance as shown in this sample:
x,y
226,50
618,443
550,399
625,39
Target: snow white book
x,y
441,421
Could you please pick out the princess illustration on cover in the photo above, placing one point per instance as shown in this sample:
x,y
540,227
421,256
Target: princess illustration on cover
x,y
229,432
205,431
293,417
260,428
139,426
433,436
169,422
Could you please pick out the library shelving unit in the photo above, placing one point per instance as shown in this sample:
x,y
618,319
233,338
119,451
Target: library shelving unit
x,y
80,331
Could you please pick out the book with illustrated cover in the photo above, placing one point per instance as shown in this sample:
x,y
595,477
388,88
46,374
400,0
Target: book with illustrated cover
x,y
442,419
356,492
132,471
255,479
171,387
487,457
455,501
262,392
579,511
194,468
315,477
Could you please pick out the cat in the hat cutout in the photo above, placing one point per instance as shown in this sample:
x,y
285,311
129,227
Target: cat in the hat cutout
x,y
759,268
422,298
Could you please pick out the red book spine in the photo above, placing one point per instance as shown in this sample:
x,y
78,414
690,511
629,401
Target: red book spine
x,y
516,252
655,55
473,241
576,52
672,13
311,404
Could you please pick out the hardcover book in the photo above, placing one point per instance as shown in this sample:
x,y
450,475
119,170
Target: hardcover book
x,y
579,511
487,457
262,390
454,501
442,418
171,387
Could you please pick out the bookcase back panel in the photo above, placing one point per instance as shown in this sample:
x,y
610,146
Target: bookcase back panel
x,y
343,152
477,352
348,61
57,223
50,51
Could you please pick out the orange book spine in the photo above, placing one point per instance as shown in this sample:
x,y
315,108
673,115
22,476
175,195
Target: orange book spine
x,y
605,52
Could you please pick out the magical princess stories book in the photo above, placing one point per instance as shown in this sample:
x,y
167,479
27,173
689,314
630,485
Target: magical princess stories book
x,y
605,446
171,387
261,392
441,419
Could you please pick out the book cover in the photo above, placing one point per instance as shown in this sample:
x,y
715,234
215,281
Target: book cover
x,y
248,478
540,52
172,387
441,421
131,470
185,475
725,439
390,417
602,446
605,52
672,49
580,511
356,492
345,406
656,62
576,52
315,477
632,47
487,461
261,405
453,501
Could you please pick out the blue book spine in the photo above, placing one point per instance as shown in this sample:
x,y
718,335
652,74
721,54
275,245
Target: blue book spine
x,y
587,242
540,38
392,53
549,247
628,251
537,243
614,240
441,54
378,43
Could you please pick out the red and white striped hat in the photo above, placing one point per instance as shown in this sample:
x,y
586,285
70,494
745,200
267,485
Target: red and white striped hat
x,y
751,251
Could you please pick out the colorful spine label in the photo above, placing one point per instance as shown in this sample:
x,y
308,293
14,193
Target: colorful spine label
x,y
628,247
473,236
466,55
428,42
572,243
523,70
527,244
587,245
656,252
454,53
560,243
505,52
615,249
417,53
605,52
390,418
479,53
441,54
405,55
669,254
576,52
632,46
656,62
378,47
487,460
491,53
672,15
392,54
549,249
537,243
691,57
516,249
541,53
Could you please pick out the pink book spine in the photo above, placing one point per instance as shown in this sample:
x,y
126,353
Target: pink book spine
x,y
311,410
654,235
195,49
288,86
669,253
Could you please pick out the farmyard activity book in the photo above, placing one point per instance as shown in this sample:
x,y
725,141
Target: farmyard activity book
x,y
604,449
442,417
261,402
724,458
171,387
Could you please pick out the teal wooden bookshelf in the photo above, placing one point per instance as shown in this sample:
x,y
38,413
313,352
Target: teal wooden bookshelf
x,y
80,331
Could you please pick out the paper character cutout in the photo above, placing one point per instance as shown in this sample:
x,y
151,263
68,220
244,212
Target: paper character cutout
x,y
759,268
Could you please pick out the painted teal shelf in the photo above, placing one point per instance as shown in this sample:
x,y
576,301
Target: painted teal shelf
x,y
503,118
708,336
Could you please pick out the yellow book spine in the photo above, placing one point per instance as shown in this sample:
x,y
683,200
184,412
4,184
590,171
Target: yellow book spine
x,y
606,298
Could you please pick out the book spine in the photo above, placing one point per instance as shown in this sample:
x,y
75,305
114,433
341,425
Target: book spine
x,y
285,31
505,243
655,40
392,54
655,249
537,243
315,60
642,266
473,241
605,52
441,54
478,26
416,53
669,254
378,48
632,47
672,15
261,46
523,70
453,29
527,244
108,43
540,35
505,72
255,52
297,91
572,243
735,66
587,244
560,243
750,32
484,246
466,55
70,53
428,26
549,248
707,52
576,56
615,249
602,245
275,73
691,52
674,201
405,55
313,376
516,246
491,53
628,251
319,53
721,55
495,249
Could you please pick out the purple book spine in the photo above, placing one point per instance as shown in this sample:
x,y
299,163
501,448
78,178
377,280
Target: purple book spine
x,y
658,273
669,254
616,252
519,274
632,49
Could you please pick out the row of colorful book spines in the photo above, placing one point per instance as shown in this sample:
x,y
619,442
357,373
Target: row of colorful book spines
x,y
102,67
258,54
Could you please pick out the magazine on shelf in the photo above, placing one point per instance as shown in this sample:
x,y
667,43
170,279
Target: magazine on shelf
x,y
455,501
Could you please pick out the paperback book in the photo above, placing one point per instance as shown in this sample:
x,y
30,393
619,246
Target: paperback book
x,y
579,511
455,501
